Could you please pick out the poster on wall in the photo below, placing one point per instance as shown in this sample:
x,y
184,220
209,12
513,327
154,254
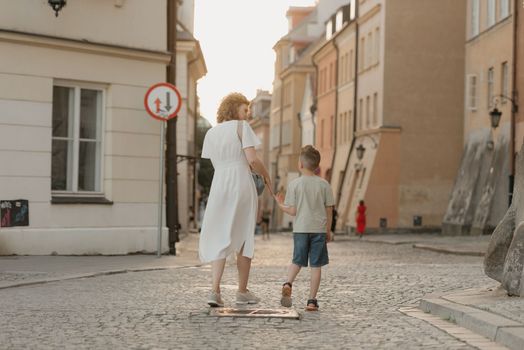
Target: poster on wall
x,y
14,213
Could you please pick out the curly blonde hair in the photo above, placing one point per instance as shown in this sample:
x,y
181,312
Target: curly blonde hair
x,y
228,109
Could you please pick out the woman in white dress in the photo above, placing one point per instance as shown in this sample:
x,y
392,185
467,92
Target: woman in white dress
x,y
229,220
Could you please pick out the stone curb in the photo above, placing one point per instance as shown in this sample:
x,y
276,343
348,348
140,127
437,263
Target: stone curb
x,y
495,327
441,249
93,274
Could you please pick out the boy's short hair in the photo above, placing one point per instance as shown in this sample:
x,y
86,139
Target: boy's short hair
x,y
310,157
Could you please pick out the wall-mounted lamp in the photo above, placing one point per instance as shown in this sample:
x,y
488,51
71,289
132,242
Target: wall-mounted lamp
x,y
57,5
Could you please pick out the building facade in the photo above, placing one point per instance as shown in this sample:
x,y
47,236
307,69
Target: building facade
x,y
79,145
408,127
480,196
293,70
190,68
260,111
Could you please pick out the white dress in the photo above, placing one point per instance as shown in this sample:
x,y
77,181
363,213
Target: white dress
x,y
230,216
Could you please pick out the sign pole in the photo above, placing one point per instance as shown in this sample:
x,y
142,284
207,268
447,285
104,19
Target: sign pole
x,y
157,103
161,190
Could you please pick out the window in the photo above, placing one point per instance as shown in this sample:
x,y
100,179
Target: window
x,y
504,9
491,82
331,130
286,133
491,13
362,55
375,109
330,76
274,138
339,20
475,14
504,81
368,113
287,94
472,92
322,133
360,114
341,71
329,29
369,50
77,139
350,67
348,125
377,45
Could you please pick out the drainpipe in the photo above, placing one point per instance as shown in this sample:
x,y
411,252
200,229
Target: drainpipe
x,y
195,114
355,101
336,109
314,107
172,220
514,102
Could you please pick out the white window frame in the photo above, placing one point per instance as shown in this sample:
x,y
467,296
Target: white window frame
x,y
491,13
491,86
475,18
377,45
99,180
472,92
504,81
504,9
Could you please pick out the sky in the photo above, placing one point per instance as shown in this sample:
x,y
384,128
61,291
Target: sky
x,y
237,39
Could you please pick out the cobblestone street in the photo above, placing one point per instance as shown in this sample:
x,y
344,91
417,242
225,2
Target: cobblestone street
x,y
361,292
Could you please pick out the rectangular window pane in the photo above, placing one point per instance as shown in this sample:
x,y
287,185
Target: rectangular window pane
x,y
491,12
475,14
63,108
505,80
491,77
62,162
88,166
504,9
90,113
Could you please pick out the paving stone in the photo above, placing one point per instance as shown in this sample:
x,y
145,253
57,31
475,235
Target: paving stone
x,y
361,292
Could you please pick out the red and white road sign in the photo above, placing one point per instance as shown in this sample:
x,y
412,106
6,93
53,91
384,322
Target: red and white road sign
x,y
163,101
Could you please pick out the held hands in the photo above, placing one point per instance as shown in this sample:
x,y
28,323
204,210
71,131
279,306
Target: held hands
x,y
279,197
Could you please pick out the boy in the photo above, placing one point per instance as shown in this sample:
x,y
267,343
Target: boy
x,y
310,199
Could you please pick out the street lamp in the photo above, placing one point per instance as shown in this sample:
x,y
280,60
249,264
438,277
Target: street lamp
x,y
360,151
495,115
57,5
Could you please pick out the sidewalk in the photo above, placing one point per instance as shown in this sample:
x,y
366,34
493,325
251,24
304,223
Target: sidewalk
x,y
17,271
489,312
458,245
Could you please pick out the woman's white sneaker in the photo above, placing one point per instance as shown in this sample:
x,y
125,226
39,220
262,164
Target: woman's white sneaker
x,y
215,300
247,298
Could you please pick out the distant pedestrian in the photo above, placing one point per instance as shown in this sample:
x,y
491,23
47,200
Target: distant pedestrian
x,y
229,221
309,199
334,223
361,218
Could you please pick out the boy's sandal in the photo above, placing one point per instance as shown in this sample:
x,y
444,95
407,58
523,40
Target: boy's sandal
x,y
312,305
286,295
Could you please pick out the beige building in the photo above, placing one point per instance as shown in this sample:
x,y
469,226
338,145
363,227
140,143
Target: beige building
x,y
480,195
260,111
190,68
409,87
519,77
75,140
293,71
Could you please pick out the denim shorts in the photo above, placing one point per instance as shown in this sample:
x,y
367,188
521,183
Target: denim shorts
x,y
312,245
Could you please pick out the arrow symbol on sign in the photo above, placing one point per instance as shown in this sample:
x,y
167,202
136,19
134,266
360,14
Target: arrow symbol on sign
x,y
157,102
168,103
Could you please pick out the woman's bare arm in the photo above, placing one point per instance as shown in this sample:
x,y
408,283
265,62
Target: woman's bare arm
x,y
256,165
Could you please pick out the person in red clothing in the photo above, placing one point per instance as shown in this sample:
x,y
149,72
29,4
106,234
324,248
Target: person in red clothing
x,y
361,218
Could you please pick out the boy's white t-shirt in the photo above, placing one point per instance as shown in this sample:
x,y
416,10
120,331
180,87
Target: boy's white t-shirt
x,y
310,195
